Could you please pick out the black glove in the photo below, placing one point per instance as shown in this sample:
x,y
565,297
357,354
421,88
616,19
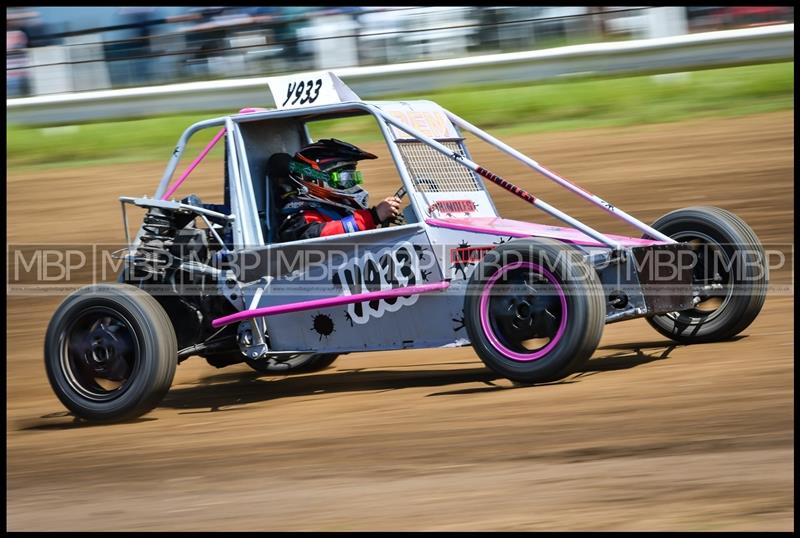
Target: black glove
x,y
374,212
397,220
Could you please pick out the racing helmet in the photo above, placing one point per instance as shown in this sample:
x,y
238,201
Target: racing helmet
x,y
326,171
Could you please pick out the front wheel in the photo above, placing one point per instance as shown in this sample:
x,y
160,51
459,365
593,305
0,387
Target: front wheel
x,y
534,310
110,352
729,278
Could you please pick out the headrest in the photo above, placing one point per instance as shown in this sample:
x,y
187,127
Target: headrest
x,y
278,166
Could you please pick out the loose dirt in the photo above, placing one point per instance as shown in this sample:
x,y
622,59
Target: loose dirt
x,y
649,436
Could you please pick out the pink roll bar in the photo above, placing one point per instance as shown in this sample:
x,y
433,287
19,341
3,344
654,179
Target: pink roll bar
x,y
328,302
194,164
203,154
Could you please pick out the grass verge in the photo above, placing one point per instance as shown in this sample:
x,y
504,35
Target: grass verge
x,y
499,108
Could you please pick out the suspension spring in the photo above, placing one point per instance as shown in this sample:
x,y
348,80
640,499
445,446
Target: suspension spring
x,y
153,257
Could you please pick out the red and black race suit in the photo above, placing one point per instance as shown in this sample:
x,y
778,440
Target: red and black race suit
x,y
321,222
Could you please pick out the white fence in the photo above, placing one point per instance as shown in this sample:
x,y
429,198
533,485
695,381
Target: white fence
x,y
659,55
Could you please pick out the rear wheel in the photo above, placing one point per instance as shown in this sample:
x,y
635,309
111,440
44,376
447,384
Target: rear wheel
x,y
110,352
534,310
729,278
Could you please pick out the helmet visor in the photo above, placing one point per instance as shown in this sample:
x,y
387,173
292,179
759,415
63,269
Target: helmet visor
x,y
344,179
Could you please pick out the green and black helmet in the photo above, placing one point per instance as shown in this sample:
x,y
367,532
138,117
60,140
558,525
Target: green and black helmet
x,y
327,168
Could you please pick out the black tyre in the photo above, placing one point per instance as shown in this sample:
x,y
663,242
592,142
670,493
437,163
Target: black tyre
x,y
730,276
301,363
110,352
534,310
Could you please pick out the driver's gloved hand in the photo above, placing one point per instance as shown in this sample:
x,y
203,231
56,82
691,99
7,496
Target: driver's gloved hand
x,y
388,210
375,218
398,220
392,220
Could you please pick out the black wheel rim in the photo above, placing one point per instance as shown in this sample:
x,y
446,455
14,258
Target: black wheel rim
x,y
99,353
712,278
523,311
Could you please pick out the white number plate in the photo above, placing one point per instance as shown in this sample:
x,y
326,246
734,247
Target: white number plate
x,y
309,89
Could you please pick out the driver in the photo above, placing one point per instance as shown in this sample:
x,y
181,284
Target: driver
x,y
321,193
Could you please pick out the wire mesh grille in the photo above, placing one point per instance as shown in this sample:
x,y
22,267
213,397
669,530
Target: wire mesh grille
x,y
433,172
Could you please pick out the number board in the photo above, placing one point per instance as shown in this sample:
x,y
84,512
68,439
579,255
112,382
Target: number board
x,y
309,89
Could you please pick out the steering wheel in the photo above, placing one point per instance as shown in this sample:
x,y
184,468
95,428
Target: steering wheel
x,y
400,219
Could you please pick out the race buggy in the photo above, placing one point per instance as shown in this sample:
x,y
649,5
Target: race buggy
x,y
213,280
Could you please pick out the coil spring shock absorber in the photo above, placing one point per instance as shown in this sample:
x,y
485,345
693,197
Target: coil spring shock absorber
x,y
152,257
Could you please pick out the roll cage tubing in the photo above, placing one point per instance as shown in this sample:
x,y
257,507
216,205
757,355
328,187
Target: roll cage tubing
x,y
240,199
583,193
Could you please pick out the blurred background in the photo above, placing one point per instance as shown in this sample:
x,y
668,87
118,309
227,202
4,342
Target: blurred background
x,y
64,49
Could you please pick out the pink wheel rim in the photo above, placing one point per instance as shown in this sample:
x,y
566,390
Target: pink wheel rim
x,y
487,325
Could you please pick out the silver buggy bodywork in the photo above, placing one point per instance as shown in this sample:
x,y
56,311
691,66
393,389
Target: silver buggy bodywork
x,y
215,280
396,287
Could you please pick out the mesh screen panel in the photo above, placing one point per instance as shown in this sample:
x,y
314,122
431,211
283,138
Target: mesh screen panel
x,y
433,172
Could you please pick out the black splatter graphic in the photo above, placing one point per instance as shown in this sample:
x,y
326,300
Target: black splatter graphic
x,y
460,321
348,317
421,252
323,324
500,240
463,262
425,274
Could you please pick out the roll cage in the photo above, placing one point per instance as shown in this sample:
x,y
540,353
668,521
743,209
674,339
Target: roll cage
x,y
249,144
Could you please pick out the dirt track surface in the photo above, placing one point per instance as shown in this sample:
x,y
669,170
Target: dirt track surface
x,y
648,436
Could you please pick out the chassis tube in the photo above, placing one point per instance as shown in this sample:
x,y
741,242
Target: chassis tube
x,y
241,231
248,195
400,164
193,165
593,198
521,193
178,151
329,302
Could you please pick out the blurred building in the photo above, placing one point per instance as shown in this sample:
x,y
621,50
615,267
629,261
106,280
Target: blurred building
x,y
65,49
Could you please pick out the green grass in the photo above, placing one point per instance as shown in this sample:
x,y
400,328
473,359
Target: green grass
x,y
565,104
